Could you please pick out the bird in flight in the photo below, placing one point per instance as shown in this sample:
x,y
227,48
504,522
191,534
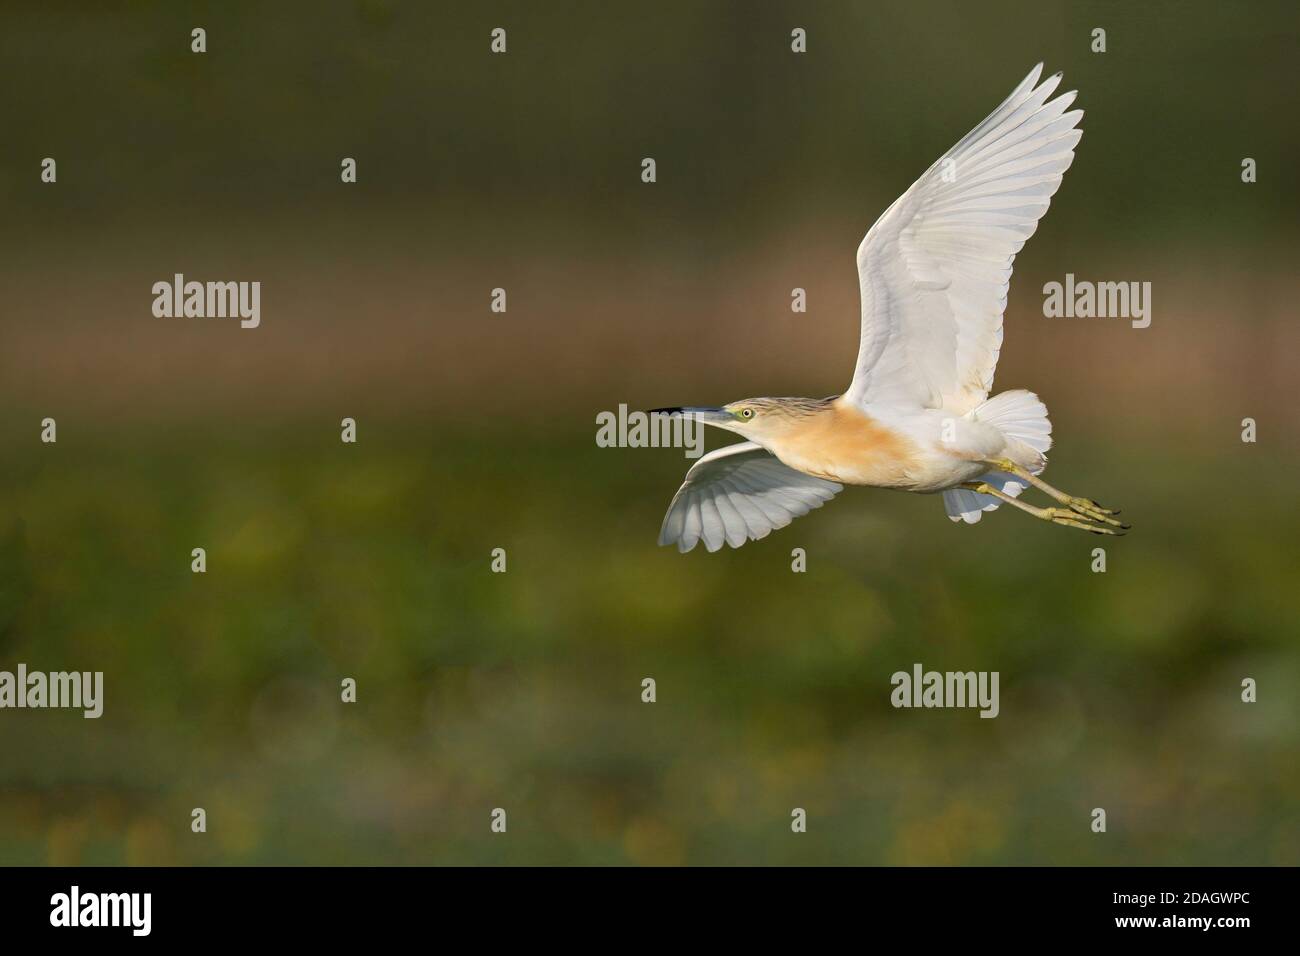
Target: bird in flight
x,y
934,272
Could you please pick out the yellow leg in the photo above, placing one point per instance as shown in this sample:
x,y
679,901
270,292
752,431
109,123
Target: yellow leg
x,y
1083,506
1063,516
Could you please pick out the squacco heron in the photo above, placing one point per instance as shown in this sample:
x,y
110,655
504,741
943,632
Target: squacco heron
x,y
934,272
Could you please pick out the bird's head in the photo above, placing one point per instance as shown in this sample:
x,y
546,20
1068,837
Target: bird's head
x,y
760,420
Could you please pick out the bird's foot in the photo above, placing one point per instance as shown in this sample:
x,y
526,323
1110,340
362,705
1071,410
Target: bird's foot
x,y
1093,511
1081,507
1074,518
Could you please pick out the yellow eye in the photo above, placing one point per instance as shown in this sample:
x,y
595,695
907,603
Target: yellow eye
x,y
746,413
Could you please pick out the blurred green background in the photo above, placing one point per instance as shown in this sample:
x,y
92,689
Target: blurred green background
x,y
476,431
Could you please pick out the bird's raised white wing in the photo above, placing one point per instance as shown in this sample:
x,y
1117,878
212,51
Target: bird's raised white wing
x,y
736,494
935,268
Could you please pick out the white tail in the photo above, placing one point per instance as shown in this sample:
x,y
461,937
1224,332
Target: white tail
x,y
1022,417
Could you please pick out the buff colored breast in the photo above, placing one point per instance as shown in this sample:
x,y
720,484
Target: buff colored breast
x,y
843,444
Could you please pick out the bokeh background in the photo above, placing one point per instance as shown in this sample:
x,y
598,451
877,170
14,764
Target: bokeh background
x,y
476,431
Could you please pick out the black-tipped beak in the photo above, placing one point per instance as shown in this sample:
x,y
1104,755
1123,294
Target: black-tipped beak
x,y
709,416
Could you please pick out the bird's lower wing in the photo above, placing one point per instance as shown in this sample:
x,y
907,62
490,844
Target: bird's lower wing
x,y
736,494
